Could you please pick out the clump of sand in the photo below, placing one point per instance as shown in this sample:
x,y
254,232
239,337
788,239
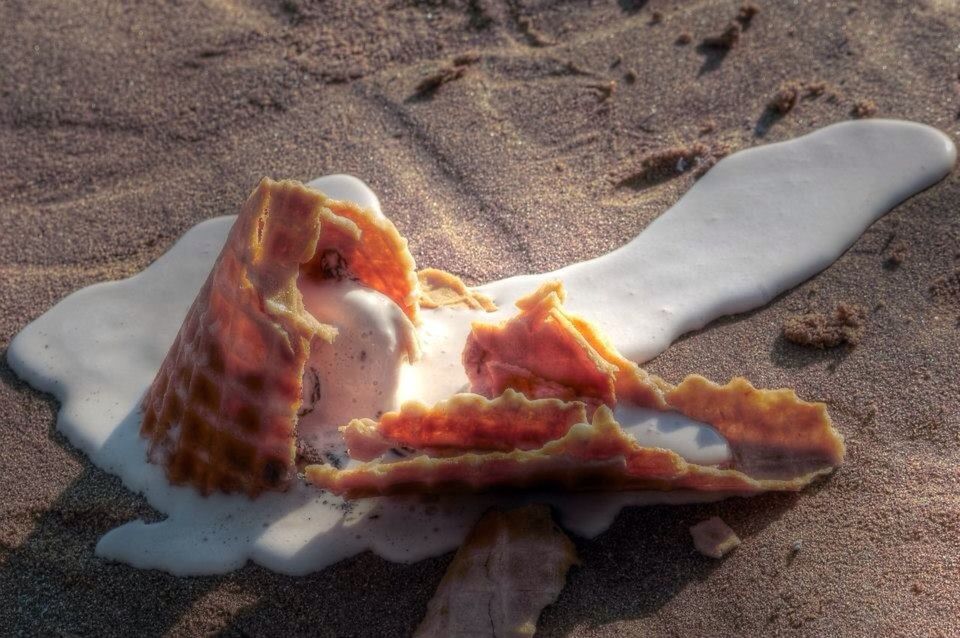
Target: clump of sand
x,y
665,164
730,36
845,325
429,85
726,39
789,93
785,98
746,14
815,88
604,90
897,255
535,37
863,108
945,289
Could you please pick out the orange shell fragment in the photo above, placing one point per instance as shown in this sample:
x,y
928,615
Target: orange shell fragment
x,y
777,441
222,411
510,566
466,421
600,456
439,289
545,351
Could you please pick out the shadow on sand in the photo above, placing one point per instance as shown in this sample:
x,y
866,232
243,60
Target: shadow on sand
x,y
646,558
53,584
628,572
789,355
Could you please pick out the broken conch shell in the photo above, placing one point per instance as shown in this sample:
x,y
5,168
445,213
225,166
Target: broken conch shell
x,y
474,442
222,412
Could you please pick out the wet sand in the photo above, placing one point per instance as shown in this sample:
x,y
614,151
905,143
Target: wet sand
x,y
121,127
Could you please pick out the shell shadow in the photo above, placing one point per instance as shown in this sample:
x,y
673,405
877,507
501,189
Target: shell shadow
x,y
631,6
628,572
52,582
785,354
360,596
646,559
713,57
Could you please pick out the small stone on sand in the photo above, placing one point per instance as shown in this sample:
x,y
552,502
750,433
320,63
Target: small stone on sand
x,y
714,538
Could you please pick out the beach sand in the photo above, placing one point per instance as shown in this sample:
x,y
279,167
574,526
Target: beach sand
x,y
498,145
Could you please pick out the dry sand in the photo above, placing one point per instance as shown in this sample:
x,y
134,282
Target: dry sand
x,y
121,127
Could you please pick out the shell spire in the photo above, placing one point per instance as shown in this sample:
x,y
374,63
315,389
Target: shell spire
x,y
221,413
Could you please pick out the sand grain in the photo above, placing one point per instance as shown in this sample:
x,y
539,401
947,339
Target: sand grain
x,y
121,126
